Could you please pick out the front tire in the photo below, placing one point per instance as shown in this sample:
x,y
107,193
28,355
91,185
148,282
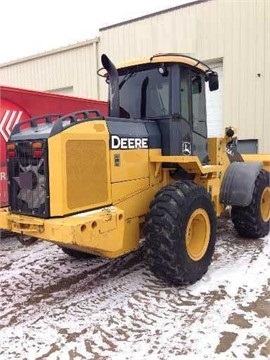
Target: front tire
x,y
253,220
180,233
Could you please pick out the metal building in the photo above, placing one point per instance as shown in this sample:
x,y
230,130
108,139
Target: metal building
x,y
232,36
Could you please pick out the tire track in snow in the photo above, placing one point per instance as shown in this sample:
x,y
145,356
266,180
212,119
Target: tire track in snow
x,y
116,309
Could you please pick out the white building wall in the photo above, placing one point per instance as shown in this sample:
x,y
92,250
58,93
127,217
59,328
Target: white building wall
x,y
247,68
71,70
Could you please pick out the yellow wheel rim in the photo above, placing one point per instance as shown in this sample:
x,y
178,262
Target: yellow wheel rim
x,y
198,234
265,204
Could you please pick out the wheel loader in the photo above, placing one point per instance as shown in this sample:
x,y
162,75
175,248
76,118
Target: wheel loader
x,y
147,173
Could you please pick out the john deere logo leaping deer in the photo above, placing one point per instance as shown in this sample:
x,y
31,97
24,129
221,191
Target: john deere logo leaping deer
x,y
8,120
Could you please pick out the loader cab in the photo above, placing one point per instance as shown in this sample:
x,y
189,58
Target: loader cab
x,y
169,90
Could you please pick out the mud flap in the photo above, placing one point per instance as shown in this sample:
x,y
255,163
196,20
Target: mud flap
x,y
238,183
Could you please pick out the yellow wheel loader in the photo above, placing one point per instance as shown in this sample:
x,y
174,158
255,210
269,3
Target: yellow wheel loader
x,y
97,185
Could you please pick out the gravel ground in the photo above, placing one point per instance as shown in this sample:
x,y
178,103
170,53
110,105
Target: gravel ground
x,y
56,307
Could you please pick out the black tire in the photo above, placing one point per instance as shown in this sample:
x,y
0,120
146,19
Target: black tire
x,y
76,253
26,240
252,221
180,233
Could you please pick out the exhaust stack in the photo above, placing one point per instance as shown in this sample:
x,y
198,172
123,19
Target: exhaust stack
x,y
114,104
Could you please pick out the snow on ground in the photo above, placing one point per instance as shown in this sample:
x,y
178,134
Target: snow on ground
x,y
56,307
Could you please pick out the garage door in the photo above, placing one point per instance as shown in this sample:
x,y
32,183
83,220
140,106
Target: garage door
x,y
214,105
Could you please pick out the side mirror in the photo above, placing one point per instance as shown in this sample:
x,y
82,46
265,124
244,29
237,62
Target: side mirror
x,y
213,81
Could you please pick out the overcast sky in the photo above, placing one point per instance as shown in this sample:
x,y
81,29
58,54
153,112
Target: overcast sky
x,y
28,27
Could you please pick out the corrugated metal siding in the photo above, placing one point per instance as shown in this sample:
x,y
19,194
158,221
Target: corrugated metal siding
x,y
235,32
245,68
74,67
265,116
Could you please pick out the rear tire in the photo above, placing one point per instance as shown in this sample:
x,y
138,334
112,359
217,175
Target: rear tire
x,y
253,220
77,254
180,233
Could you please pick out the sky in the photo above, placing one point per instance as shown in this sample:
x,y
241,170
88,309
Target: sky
x,y
29,27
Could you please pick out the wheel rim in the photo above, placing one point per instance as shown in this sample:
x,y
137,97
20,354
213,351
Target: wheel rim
x,y
265,204
198,234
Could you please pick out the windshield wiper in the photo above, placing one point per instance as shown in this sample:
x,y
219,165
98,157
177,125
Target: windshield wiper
x,y
126,77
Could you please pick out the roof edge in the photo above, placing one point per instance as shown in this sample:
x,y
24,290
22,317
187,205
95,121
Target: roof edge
x,y
192,3
50,52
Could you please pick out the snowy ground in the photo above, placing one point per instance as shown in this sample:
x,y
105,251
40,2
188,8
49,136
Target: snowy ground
x,y
56,307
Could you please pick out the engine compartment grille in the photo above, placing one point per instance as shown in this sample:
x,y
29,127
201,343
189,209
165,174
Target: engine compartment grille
x,y
86,173
27,165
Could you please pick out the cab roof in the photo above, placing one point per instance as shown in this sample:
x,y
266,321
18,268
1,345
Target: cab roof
x,y
167,58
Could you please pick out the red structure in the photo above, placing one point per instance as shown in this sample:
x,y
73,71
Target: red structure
x,y
17,105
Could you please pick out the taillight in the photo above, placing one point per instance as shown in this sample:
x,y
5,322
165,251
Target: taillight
x,y
37,149
11,150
